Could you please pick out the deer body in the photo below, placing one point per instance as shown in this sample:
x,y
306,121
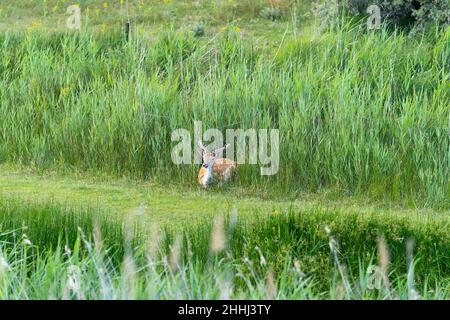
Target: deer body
x,y
205,176
213,169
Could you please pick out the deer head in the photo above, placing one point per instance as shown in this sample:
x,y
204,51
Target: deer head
x,y
207,156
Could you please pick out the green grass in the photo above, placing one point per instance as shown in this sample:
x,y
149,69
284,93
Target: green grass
x,y
115,261
358,113
87,186
172,204
51,209
153,16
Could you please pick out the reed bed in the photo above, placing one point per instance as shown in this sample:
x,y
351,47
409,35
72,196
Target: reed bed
x,y
358,112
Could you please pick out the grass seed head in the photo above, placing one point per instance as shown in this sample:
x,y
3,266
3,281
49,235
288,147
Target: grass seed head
x,y
4,266
175,254
218,238
271,289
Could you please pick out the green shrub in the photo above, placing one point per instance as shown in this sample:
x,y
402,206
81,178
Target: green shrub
x,y
417,13
199,30
413,12
271,13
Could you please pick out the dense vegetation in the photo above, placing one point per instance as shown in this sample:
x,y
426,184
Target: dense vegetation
x,y
51,252
363,117
358,112
405,13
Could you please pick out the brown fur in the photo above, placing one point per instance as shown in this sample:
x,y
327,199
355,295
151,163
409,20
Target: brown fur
x,y
221,165
219,169
222,168
201,174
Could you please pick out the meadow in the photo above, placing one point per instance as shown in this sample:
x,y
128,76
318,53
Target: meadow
x,y
50,252
92,207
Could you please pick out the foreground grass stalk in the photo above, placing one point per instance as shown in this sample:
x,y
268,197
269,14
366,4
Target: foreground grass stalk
x,y
282,256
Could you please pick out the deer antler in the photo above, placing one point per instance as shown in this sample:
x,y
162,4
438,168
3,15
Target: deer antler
x,y
201,146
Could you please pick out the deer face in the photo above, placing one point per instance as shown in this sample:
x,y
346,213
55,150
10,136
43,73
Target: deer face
x,y
209,157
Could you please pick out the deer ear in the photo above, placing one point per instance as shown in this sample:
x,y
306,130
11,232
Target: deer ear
x,y
221,149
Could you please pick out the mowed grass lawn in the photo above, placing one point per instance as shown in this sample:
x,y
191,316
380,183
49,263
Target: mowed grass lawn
x,y
176,204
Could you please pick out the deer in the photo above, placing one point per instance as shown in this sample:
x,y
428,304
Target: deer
x,y
214,169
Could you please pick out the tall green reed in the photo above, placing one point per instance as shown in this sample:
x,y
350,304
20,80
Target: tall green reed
x,y
359,112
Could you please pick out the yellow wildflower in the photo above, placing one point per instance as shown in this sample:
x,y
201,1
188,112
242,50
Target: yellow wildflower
x,y
65,91
34,24
276,213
